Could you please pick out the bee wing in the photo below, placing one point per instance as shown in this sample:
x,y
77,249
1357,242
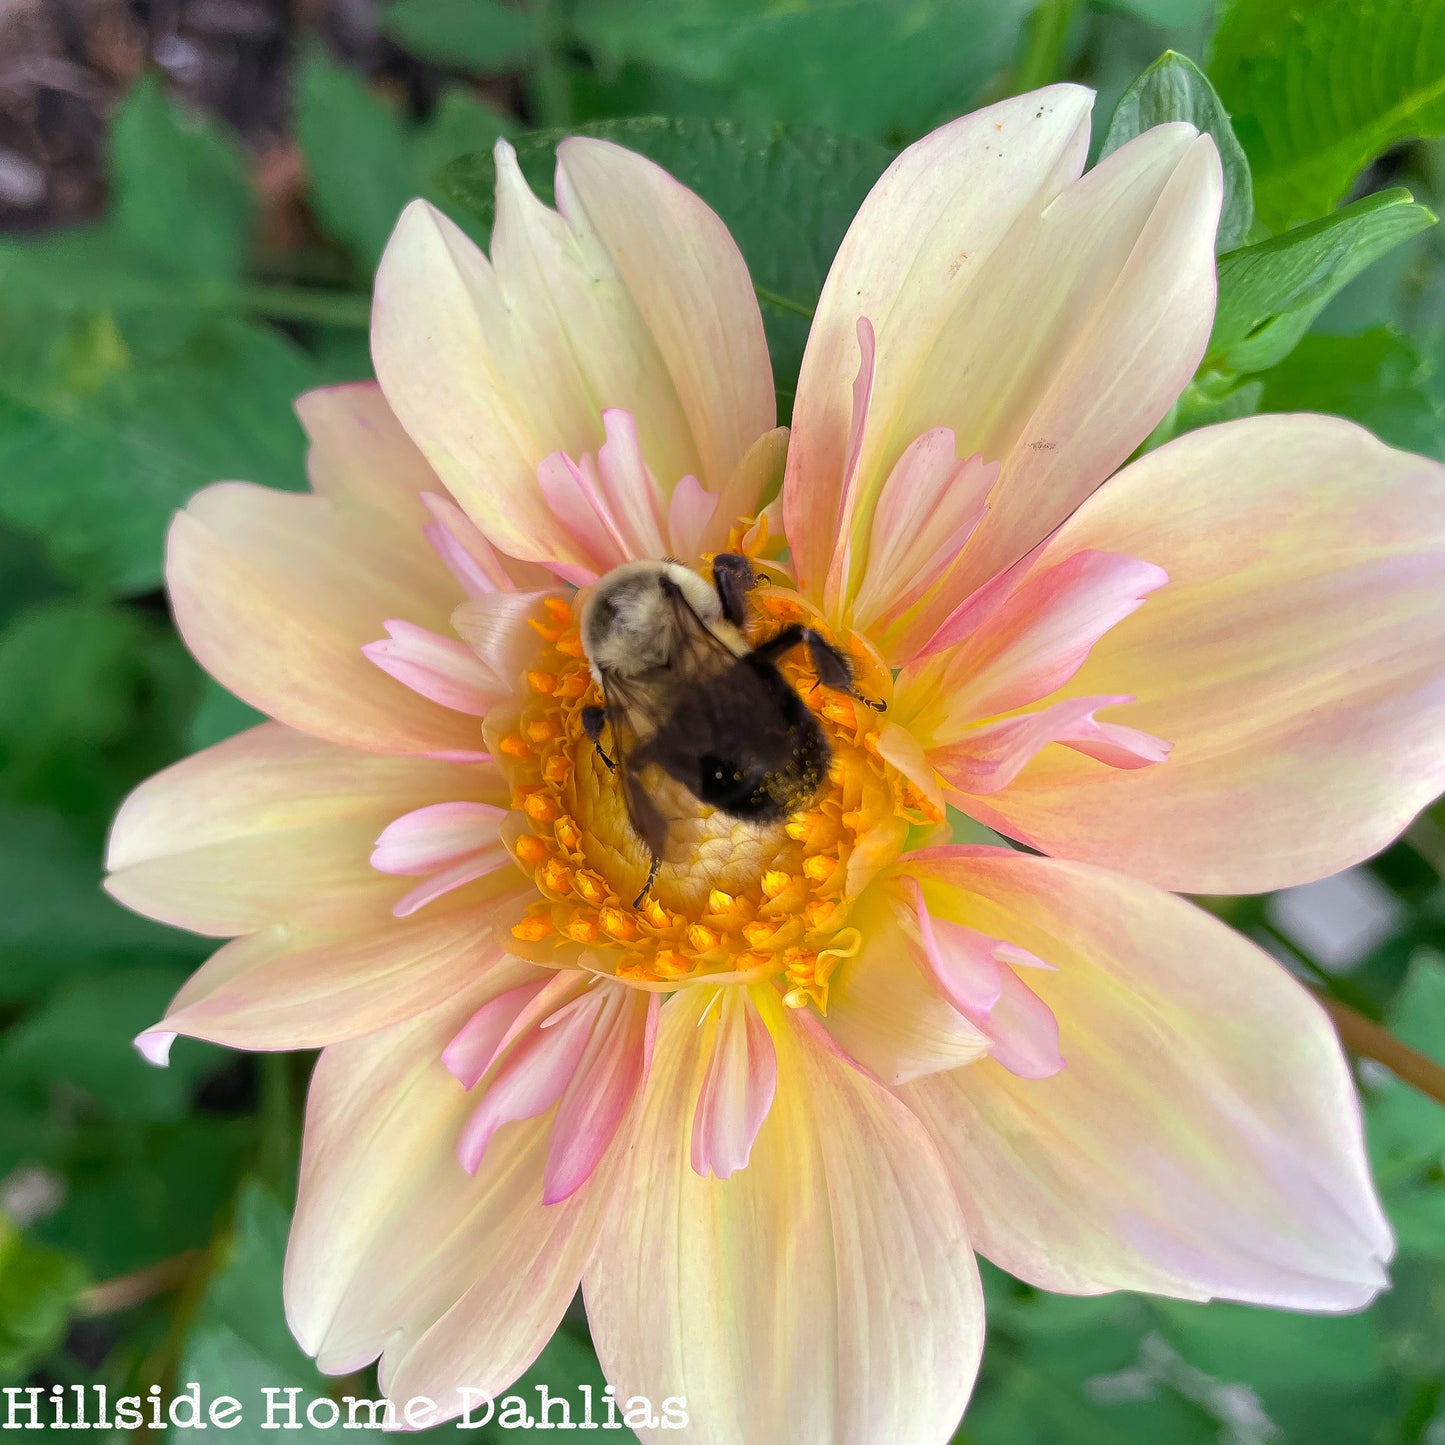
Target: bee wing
x,y
641,716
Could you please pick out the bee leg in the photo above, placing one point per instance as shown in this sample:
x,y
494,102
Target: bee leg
x,y
594,719
833,666
734,578
651,879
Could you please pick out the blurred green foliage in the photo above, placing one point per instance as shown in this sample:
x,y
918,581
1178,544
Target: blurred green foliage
x,y
143,1212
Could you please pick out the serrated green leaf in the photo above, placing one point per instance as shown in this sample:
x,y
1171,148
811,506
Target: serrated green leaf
x,y
95,470
1318,90
873,68
1270,293
182,205
1173,89
786,194
484,35
1377,378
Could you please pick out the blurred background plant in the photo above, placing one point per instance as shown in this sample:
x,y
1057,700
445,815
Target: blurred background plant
x,y
195,194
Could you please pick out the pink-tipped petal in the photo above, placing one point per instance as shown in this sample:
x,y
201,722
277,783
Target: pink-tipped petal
x,y
1204,1139
276,594
459,1280
828,1285
988,758
738,1088
1032,642
485,861
531,1079
689,513
601,1090
1296,661
429,838
478,1042
437,667
916,249
882,1007
631,493
929,507
470,558
269,825
971,970
154,1046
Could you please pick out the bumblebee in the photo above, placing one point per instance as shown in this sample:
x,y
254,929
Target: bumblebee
x,y
687,693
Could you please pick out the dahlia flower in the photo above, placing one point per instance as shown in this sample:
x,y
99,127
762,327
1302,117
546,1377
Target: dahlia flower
x,y
766,1115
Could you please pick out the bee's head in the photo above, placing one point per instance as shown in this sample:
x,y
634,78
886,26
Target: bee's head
x,y
630,618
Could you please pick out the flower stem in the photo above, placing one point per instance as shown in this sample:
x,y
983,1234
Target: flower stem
x,y
1364,1036
121,1293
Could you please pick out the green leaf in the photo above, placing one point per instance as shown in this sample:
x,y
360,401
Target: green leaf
x,y
365,163
1377,378
79,1041
96,467
787,195
95,699
1167,14
1174,88
182,204
1270,293
874,68
221,715
484,35
54,919
357,154
38,1289
1318,90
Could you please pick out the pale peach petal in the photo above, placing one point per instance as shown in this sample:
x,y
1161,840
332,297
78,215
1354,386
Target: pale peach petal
x,y
913,253
276,594
304,986
1203,1138
439,668
1126,315
267,826
633,297
738,1087
828,1285
460,1281
498,628
836,590
1296,661
429,838
364,462
692,289
883,1009
754,483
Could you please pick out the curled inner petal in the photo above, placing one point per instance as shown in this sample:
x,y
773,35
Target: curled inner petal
x,y
737,1089
975,973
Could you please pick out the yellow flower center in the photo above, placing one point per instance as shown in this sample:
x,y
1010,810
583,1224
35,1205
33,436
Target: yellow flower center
x,y
732,899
